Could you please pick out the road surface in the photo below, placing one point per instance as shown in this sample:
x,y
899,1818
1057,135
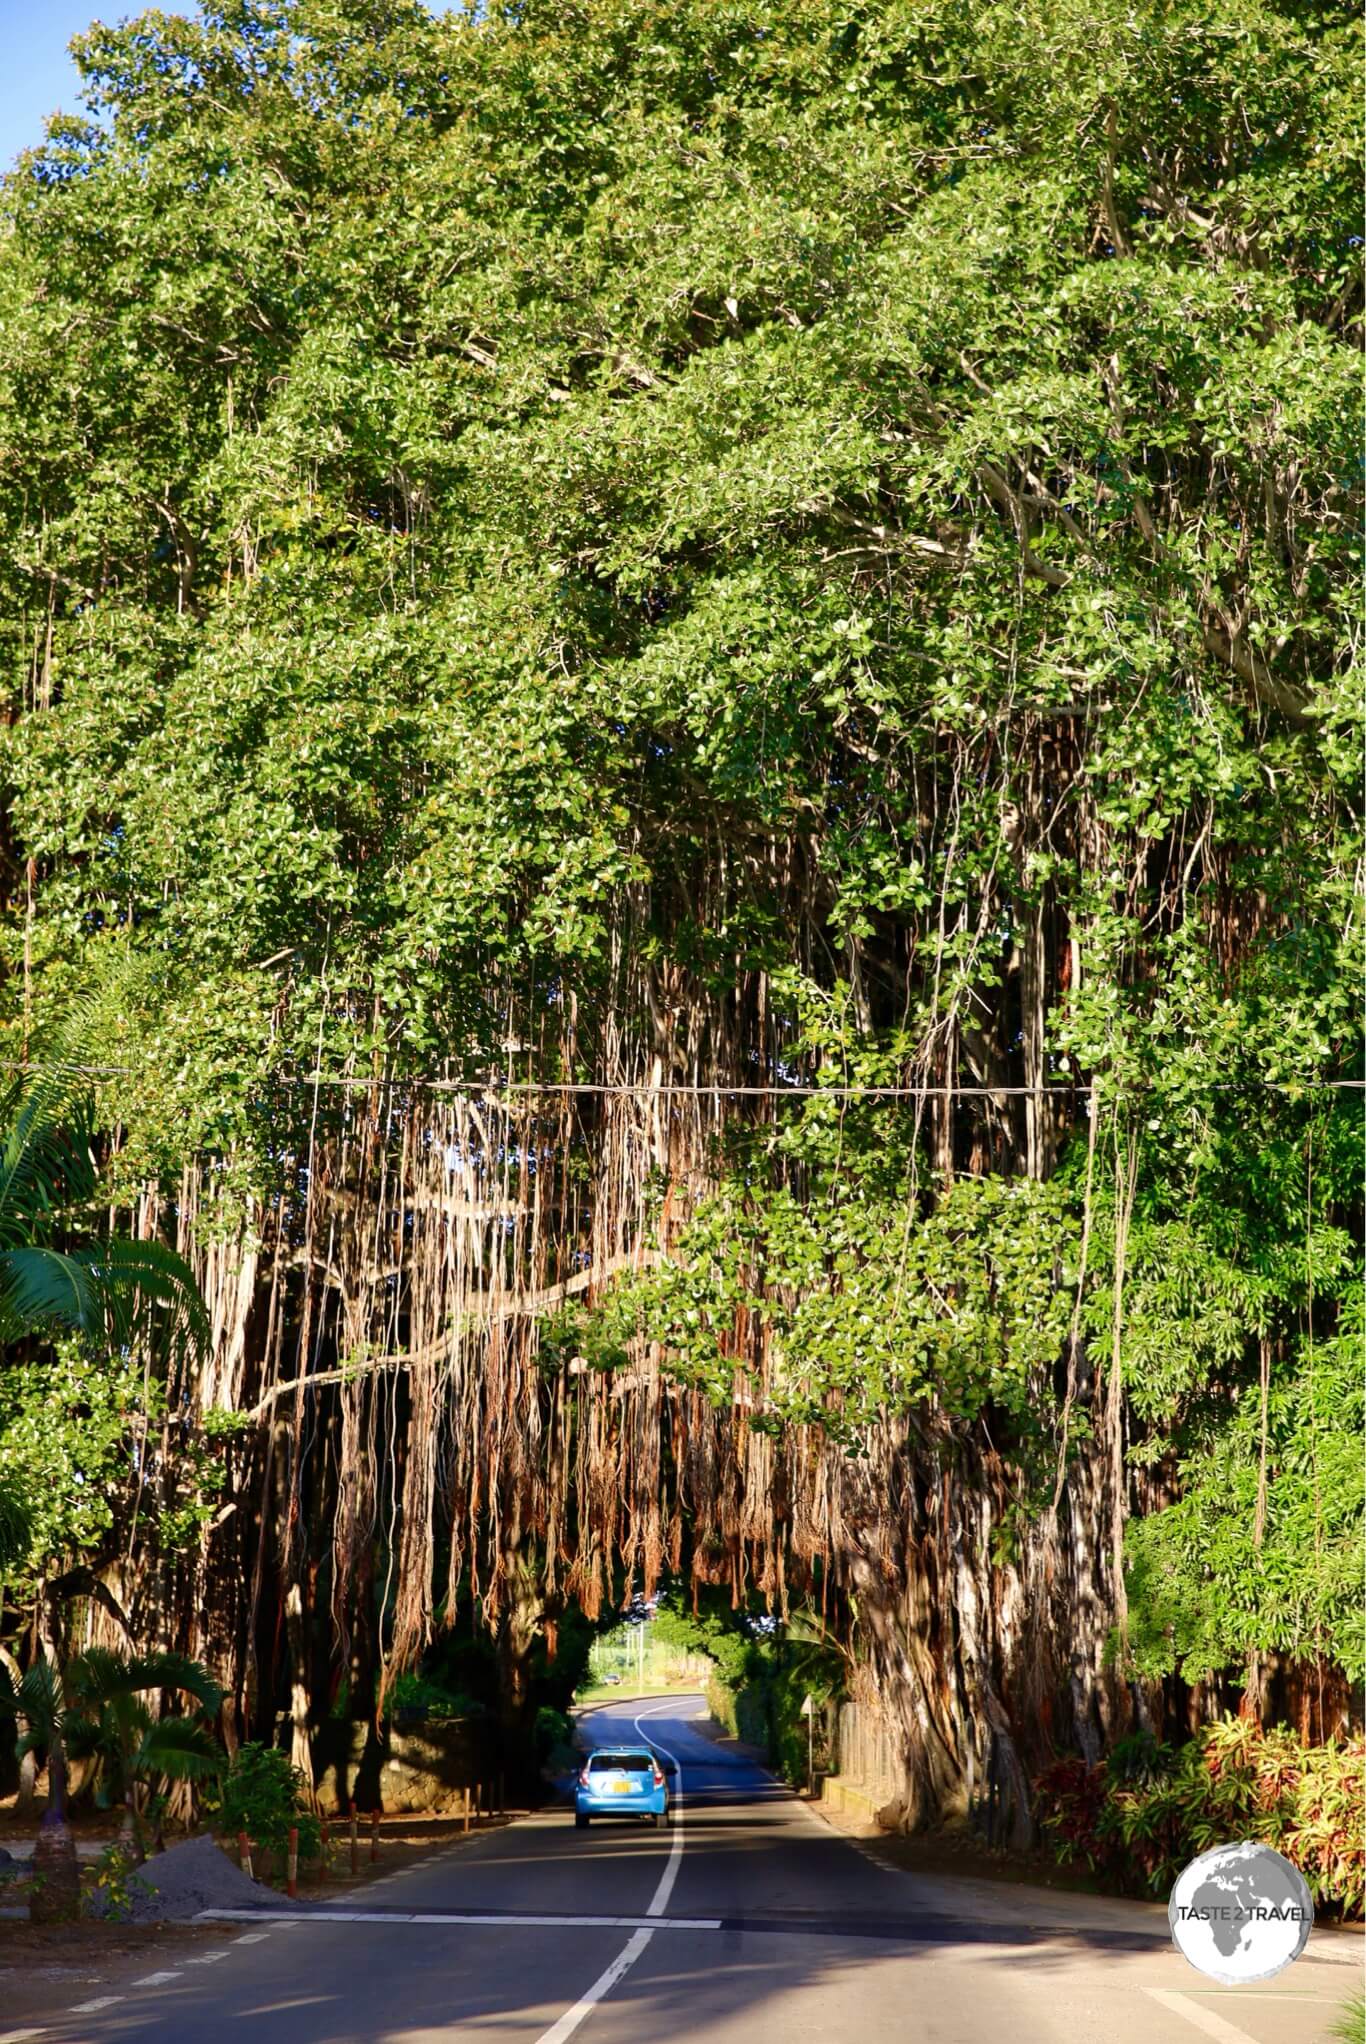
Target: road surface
x,y
748,1922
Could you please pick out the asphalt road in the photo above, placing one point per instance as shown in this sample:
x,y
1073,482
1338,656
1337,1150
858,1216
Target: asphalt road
x,y
748,1922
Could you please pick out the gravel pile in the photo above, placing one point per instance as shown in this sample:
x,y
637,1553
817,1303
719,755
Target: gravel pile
x,y
173,1886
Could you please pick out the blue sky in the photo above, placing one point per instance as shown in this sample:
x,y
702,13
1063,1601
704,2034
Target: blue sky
x,y
37,77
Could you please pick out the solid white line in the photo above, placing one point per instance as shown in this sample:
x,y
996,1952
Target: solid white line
x,y
560,2032
670,1873
1202,2019
626,1958
482,1919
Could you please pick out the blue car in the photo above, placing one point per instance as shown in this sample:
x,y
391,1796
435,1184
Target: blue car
x,y
621,1781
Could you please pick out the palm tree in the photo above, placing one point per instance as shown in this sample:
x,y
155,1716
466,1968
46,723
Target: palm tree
x,y
36,1701
122,1293
98,1708
113,1289
109,1720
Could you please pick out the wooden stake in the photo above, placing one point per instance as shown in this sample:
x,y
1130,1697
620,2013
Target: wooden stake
x,y
244,1854
465,1807
323,1849
292,1863
374,1836
355,1841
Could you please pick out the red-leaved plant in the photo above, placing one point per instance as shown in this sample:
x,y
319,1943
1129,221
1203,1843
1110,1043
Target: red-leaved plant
x,y
1149,1809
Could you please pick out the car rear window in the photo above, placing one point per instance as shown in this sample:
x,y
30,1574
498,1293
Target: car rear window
x,y
620,1763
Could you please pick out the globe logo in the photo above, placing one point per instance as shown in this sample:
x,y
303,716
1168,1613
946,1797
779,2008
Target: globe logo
x,y
1240,1913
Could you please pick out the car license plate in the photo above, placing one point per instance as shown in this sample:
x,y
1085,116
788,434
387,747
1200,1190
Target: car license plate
x,y
622,1788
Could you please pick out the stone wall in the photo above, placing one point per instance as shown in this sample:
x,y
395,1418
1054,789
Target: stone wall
x,y
422,1765
870,1776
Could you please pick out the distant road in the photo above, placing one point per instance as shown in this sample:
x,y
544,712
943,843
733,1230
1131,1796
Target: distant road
x,y
748,1922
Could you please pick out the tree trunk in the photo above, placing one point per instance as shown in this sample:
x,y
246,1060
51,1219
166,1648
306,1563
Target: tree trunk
x,y
27,1800
56,1896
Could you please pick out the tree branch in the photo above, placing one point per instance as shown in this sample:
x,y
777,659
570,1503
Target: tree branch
x,y
545,1300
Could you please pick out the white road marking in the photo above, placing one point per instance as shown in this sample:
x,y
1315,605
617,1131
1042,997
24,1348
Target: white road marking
x,y
560,2032
88,2008
20,2036
257,1937
1202,2019
483,1920
569,2022
813,1814
155,1979
670,1873
204,1959
1260,1994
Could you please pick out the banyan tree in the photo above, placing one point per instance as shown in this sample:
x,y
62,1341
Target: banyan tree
x,y
693,671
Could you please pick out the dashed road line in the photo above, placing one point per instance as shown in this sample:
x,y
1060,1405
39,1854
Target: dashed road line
x,y
101,2001
155,1979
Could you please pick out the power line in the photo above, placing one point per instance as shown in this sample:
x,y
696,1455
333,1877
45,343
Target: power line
x,y
422,1082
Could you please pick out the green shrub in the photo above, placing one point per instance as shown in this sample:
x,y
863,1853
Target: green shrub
x,y
721,1703
1350,2027
264,1795
113,1886
554,1735
1143,1815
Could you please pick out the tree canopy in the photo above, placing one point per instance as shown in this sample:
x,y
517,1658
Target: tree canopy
x,y
816,541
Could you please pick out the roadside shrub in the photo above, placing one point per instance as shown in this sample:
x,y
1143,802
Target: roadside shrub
x,y
114,1884
264,1795
721,1703
554,1736
1149,1809
1350,2027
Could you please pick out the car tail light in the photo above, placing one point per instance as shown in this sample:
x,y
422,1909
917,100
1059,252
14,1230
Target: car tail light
x,y
583,1779
659,1775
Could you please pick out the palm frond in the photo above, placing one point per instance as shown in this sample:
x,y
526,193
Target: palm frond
x,y
126,1293
133,1294
178,1671
176,1747
150,1295
38,1699
45,1160
43,1289
815,1655
84,1735
98,1674
104,1676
